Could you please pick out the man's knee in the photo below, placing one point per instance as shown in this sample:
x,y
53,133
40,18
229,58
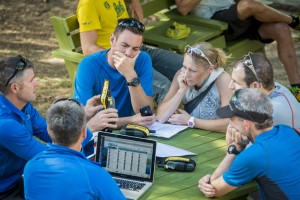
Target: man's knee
x,y
276,31
249,6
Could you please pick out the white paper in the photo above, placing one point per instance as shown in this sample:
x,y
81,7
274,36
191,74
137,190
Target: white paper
x,y
164,150
165,130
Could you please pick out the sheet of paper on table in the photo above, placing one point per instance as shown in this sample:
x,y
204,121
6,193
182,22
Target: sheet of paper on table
x,y
165,130
164,150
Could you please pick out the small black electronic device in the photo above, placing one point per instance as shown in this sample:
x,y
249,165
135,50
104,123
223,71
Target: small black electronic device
x,y
178,164
146,111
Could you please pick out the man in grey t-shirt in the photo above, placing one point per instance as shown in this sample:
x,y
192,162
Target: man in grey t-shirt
x,y
255,71
254,20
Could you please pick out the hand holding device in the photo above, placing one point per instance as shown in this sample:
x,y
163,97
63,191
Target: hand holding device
x,y
146,111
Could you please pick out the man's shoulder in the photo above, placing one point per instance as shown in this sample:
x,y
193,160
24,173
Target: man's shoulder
x,y
283,100
94,59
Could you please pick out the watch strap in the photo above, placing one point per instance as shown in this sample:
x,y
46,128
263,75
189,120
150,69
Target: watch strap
x,y
191,122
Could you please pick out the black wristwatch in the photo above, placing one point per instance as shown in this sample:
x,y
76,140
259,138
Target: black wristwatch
x,y
134,82
232,149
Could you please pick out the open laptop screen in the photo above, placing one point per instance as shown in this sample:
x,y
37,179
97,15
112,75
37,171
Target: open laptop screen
x,y
126,156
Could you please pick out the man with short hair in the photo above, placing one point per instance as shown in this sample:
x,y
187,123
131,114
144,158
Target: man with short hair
x,y
21,124
254,20
255,71
62,166
272,160
128,70
97,21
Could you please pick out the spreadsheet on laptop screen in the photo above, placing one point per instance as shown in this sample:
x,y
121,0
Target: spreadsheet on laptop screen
x,y
122,156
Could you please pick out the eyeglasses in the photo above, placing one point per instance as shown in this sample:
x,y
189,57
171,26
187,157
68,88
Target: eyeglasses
x,y
21,65
67,99
248,63
132,23
235,106
196,52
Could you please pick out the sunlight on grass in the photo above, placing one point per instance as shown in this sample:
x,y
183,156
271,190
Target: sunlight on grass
x,y
49,90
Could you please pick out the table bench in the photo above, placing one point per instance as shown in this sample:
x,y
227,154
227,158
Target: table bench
x,y
210,148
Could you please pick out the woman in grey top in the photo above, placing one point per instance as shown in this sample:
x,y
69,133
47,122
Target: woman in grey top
x,y
201,74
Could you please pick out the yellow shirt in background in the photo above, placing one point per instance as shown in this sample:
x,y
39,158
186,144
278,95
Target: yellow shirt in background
x,y
100,15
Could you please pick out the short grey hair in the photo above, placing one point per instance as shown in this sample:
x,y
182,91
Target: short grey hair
x,y
254,100
8,66
66,120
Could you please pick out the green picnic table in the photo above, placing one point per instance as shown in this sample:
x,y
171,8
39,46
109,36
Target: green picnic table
x,y
210,148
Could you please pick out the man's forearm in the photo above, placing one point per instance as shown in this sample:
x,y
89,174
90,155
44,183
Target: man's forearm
x,y
139,98
223,166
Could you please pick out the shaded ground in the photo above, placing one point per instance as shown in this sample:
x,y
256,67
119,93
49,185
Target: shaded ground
x,y
26,30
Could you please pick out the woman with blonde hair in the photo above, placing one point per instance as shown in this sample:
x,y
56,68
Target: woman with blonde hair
x,y
202,86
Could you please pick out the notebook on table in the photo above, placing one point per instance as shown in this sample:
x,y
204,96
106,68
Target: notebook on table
x,y
130,161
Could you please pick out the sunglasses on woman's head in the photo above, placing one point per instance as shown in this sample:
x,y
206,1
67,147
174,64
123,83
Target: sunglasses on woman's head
x,y
196,52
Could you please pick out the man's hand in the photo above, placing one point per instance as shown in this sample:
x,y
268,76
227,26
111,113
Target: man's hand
x,y
138,119
124,64
135,7
180,118
233,135
92,107
205,186
107,118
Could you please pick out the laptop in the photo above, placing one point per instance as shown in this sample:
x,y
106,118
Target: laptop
x,y
130,161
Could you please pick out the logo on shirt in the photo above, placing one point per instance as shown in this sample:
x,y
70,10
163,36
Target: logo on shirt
x,y
106,5
119,8
86,23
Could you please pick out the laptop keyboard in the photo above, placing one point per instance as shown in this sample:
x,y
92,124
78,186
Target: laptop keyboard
x,y
129,185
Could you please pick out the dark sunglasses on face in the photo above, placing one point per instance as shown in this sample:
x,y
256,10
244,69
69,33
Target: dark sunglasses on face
x,y
21,65
196,52
67,99
248,63
132,23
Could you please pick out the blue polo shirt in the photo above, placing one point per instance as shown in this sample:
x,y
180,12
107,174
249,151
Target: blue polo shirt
x,y
63,173
17,144
273,161
94,69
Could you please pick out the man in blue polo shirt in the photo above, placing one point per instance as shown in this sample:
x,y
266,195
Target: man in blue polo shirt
x,y
128,69
62,172
20,122
273,160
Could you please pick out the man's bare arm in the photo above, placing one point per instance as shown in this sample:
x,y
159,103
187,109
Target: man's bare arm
x,y
88,41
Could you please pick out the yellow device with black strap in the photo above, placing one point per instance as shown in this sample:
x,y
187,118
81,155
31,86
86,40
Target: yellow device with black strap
x,y
178,164
135,130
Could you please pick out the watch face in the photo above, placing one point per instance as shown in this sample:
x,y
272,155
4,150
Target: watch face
x,y
230,148
134,82
190,124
